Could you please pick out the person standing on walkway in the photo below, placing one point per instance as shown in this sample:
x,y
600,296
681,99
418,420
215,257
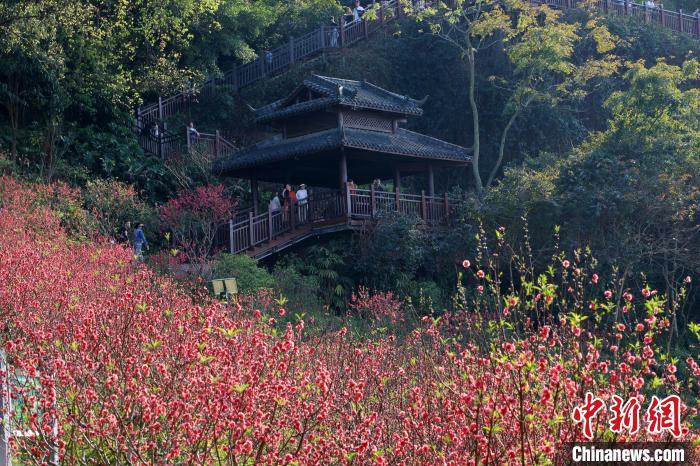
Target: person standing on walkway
x,y
275,205
334,33
358,11
303,200
139,242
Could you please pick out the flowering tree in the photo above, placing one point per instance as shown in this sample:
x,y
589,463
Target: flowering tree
x,y
118,366
194,217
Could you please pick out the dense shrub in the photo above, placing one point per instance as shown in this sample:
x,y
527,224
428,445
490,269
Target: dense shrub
x,y
114,204
123,367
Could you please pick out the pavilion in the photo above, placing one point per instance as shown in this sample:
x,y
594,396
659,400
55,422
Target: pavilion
x,y
329,131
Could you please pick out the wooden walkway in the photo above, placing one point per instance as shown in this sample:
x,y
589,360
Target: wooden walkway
x,y
261,235
327,38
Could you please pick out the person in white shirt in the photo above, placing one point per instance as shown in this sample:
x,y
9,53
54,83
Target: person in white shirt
x,y
275,205
303,201
358,11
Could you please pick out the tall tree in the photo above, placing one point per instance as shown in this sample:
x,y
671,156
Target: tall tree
x,y
540,49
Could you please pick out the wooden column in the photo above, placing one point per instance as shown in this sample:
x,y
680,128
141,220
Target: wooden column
x,y
234,78
397,189
423,206
251,234
373,201
254,194
231,239
291,50
270,229
341,26
661,13
343,171
680,19
160,108
431,181
447,207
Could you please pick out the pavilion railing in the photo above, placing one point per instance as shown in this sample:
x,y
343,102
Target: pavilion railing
x,y
372,204
248,231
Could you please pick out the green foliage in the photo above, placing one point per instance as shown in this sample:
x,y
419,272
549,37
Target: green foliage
x,y
248,274
114,205
302,291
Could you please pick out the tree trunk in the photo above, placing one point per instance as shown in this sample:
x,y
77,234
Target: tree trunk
x,y
471,55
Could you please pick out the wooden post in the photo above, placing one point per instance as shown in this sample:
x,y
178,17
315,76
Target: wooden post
x,y
348,202
160,108
447,207
423,206
342,33
397,179
431,181
373,201
397,198
322,38
187,136
251,234
270,230
234,73
627,7
291,50
661,13
343,170
262,63
230,236
217,145
254,194
680,19
697,20
160,144
292,216
381,13
605,6
365,28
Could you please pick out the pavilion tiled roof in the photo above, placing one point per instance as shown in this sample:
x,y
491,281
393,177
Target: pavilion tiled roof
x,y
402,142
343,92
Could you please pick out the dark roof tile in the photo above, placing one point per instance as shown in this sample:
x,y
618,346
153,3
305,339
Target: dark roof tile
x,y
403,142
344,92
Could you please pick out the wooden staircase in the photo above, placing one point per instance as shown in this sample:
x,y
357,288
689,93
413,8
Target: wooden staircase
x,y
297,235
334,38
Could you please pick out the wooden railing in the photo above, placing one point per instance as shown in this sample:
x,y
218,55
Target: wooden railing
x,y
165,144
371,204
247,232
270,63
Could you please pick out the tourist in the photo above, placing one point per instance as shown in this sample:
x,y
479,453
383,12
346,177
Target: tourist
x,y
334,33
139,242
378,185
286,201
275,205
348,17
125,235
358,11
303,200
192,134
